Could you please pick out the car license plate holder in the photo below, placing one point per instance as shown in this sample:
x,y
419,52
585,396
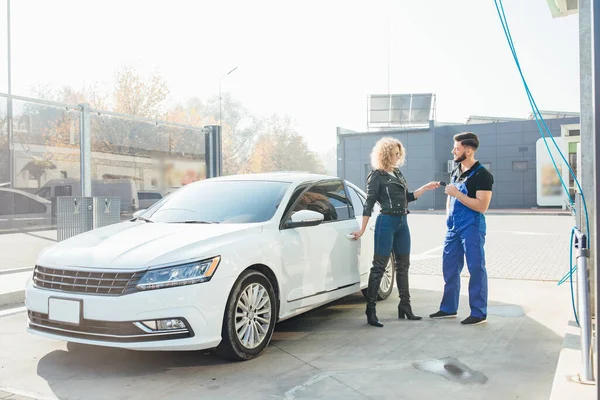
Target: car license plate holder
x,y
67,311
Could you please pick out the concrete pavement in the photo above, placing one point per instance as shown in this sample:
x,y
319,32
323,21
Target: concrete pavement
x,y
532,247
20,250
329,353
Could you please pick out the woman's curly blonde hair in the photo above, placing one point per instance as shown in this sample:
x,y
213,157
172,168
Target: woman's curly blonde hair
x,y
383,153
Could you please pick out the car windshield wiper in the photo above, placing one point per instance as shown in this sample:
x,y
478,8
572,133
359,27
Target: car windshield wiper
x,y
144,219
193,221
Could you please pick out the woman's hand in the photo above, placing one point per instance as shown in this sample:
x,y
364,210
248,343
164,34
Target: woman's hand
x,y
432,185
358,234
425,188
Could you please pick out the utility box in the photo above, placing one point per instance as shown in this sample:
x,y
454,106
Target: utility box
x,y
76,215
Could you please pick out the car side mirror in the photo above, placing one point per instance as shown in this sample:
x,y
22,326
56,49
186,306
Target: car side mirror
x,y
138,213
304,218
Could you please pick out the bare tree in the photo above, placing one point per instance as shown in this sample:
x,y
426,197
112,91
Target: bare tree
x,y
280,147
138,96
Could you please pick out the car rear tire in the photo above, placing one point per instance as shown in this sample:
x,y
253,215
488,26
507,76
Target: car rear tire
x,y
249,319
387,281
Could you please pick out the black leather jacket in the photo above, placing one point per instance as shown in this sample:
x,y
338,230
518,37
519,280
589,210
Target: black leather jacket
x,y
390,191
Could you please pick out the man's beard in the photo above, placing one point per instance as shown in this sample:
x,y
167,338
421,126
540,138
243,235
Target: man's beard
x,y
460,158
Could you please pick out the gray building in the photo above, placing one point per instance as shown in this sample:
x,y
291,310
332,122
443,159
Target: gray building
x,y
507,149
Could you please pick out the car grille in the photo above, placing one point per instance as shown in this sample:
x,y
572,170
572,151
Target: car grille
x,y
107,331
100,283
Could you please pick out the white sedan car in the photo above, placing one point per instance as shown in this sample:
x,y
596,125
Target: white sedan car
x,y
214,265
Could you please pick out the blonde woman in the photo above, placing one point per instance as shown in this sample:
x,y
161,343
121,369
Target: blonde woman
x,y
387,186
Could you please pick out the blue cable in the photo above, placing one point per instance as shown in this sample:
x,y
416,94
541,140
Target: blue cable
x,y
570,276
536,113
532,102
538,116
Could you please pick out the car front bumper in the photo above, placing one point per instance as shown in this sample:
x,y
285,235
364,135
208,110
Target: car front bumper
x,y
115,321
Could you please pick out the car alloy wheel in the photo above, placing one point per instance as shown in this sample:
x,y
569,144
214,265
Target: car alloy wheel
x,y
387,280
253,315
250,317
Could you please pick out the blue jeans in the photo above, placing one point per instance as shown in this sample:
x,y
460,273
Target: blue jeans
x,y
391,234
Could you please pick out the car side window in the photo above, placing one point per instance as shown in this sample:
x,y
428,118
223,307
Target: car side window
x,y
149,196
60,191
44,192
328,198
25,205
6,203
293,201
357,202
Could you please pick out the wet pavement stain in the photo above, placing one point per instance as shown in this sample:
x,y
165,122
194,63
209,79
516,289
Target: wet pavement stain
x,y
451,369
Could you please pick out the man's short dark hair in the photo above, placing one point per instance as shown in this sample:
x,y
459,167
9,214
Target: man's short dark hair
x,y
468,139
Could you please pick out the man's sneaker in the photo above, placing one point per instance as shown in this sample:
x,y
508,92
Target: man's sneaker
x,y
473,321
442,314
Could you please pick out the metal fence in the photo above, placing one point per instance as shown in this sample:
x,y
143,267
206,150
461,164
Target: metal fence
x,y
107,211
77,215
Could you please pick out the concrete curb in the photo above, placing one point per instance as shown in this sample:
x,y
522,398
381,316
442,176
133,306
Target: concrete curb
x,y
568,367
30,230
12,298
15,270
11,393
12,287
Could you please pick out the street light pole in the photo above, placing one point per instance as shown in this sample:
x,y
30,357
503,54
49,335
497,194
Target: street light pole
x,y
9,104
220,92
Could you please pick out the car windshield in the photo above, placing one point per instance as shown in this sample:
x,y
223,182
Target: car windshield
x,y
223,202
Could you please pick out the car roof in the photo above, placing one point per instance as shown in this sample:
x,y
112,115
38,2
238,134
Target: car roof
x,y
280,176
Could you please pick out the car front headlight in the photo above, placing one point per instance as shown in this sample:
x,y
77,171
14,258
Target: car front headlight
x,y
179,275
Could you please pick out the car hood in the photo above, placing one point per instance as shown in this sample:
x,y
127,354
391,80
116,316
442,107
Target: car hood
x,y
136,245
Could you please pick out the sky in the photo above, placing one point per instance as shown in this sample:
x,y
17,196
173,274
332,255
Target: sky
x,y
316,61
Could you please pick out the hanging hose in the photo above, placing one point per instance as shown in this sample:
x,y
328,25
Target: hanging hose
x,y
569,275
538,117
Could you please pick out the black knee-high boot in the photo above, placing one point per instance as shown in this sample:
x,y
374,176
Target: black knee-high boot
x,y
401,263
377,271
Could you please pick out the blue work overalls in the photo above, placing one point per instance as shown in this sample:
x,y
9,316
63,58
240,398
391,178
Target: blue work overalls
x,y
465,237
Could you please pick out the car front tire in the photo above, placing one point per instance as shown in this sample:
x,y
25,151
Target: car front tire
x,y
250,317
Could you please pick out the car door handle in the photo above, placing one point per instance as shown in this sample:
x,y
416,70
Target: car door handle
x,y
349,236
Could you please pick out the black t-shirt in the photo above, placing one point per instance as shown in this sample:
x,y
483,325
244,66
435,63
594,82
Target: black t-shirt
x,y
481,180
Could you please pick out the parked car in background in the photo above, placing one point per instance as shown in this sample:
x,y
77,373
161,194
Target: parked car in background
x,y
148,198
23,210
215,264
